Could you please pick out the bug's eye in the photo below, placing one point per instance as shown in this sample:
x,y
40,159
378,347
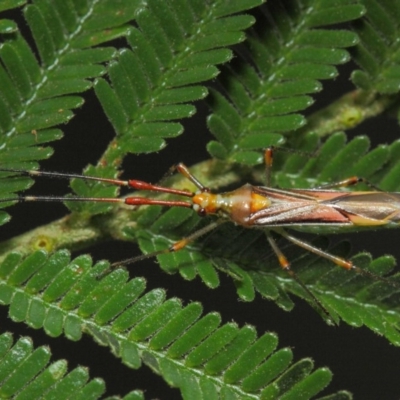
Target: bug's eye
x,y
202,212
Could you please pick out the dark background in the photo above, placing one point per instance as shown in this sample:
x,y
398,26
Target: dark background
x,y
361,361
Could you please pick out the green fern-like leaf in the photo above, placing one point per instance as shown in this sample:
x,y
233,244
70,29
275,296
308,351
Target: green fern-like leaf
x,y
291,54
176,46
377,53
25,373
7,25
42,98
37,95
191,352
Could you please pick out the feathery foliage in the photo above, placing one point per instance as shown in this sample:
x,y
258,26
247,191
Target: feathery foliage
x,y
291,55
38,95
25,373
378,53
167,57
193,353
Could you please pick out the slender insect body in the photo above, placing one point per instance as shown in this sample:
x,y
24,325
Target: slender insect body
x,y
270,209
264,207
302,208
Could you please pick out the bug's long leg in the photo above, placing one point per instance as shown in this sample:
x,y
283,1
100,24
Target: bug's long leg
x,y
353,180
269,158
285,265
341,262
174,247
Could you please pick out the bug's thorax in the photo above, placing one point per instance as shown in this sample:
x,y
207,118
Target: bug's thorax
x,y
239,204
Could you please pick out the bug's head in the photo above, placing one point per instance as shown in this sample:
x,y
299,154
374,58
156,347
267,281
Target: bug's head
x,y
205,203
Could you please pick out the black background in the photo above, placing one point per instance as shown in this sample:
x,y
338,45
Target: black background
x,y
361,361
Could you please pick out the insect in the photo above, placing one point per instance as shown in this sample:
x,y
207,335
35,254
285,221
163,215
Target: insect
x,y
259,207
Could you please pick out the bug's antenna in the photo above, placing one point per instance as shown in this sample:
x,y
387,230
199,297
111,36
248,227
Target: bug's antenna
x,y
59,175
131,183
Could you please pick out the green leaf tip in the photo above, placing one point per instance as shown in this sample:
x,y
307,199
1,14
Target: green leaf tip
x,y
377,52
26,373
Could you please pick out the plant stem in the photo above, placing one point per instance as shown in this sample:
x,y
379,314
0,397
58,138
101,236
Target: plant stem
x,y
347,112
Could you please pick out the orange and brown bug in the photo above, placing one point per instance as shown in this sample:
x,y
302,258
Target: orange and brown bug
x,y
259,207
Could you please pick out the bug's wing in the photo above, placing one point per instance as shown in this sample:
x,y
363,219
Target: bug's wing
x,y
327,207
291,207
369,208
